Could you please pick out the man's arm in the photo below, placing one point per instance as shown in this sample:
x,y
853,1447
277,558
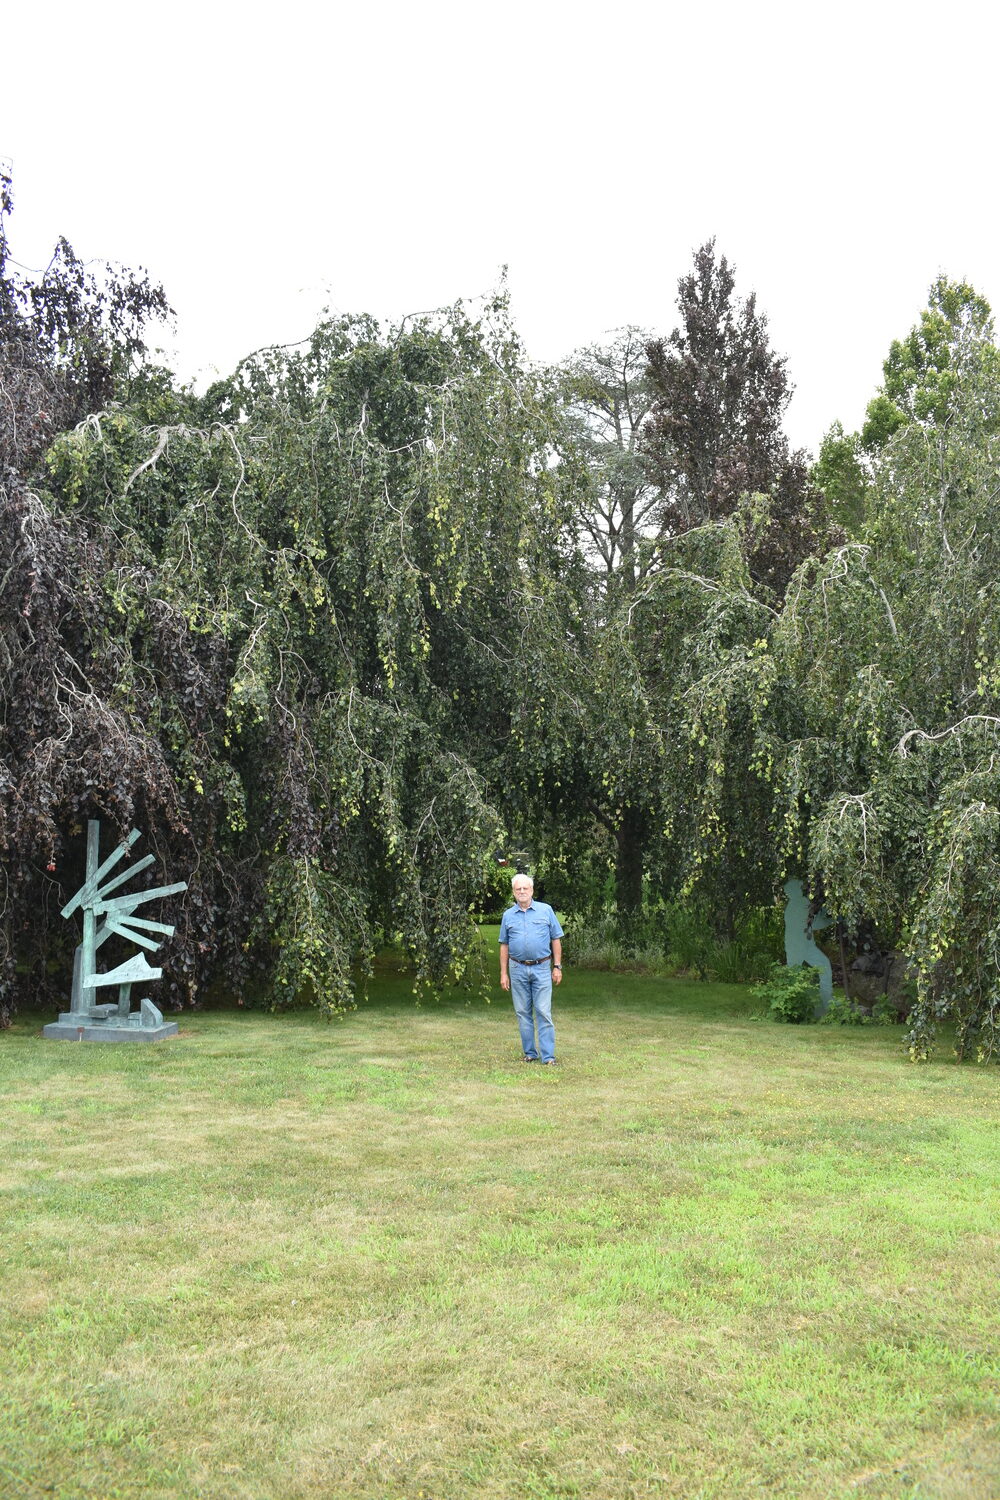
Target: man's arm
x,y
504,976
557,960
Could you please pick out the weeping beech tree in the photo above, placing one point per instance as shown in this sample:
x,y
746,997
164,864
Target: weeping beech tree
x,y
868,711
70,337
280,628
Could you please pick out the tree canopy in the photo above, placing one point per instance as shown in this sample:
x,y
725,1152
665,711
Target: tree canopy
x,y
874,695
282,627
386,600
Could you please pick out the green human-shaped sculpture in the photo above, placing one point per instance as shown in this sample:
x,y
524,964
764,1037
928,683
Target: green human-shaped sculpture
x,y
800,945
105,916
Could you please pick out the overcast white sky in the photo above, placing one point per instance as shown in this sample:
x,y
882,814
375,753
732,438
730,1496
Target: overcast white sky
x,y
266,162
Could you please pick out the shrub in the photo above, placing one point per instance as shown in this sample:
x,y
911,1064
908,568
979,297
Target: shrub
x,y
885,1012
843,1012
790,994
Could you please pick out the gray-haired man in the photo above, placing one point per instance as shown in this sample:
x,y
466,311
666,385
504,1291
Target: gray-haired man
x,y
530,961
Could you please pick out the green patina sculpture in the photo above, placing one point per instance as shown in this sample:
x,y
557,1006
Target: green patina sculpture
x,y
105,916
800,946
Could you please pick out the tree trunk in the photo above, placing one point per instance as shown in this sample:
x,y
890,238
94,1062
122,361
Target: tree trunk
x,y
631,840
627,542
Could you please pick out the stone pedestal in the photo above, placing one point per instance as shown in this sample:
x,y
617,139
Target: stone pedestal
x,y
67,1030
105,1023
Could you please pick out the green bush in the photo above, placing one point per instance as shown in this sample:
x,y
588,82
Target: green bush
x,y
791,994
885,1013
843,1012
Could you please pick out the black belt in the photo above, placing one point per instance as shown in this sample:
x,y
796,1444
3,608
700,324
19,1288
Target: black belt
x,y
529,961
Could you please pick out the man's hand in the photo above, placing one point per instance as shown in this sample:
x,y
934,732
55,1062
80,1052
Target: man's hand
x,y
505,981
557,976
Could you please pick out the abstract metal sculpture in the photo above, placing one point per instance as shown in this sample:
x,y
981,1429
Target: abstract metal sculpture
x,y
87,1020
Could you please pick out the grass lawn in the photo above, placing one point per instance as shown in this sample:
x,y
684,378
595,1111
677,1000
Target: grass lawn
x,y
707,1256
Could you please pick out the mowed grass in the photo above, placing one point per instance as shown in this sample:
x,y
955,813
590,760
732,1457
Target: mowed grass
x,y
707,1256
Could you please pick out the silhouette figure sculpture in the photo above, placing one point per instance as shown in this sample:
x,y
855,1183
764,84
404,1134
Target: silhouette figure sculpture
x,y
800,945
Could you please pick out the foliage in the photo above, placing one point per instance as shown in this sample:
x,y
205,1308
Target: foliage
x,y
599,945
276,628
738,955
674,937
690,938
348,524
691,562
598,940
379,602
924,373
843,1011
640,745
608,395
756,944
69,338
624,746
878,702
857,724
790,994
493,894
720,394
71,742
733,962
645,759
841,473
714,435
714,809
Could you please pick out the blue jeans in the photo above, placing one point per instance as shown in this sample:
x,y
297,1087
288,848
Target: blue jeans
x,y
531,992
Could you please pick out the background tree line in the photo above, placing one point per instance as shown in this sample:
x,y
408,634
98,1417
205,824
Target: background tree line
x,y
383,601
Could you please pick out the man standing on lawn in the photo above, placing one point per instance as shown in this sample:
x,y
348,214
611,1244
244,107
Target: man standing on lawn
x,y
530,942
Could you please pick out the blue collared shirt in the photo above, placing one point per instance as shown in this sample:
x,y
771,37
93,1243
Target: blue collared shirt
x,y
529,934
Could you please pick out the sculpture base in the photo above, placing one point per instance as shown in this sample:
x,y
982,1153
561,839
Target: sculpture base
x,y
70,1028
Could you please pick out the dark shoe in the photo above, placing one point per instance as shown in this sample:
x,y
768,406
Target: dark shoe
x,y
549,1062
526,1058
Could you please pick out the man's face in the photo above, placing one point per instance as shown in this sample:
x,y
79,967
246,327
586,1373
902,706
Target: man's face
x,y
523,888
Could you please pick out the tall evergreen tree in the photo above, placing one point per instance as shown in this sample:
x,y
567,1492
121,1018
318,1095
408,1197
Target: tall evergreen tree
x,y
720,393
714,435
